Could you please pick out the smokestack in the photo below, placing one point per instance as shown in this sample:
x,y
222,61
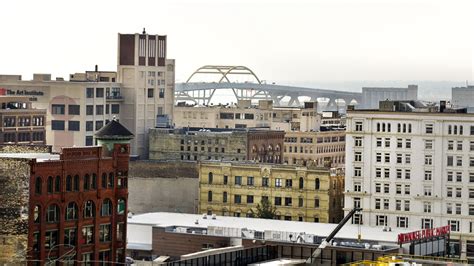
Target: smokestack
x,y
96,68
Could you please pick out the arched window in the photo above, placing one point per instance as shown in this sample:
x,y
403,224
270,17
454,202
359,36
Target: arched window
x,y
71,211
69,183
106,209
111,180
210,178
52,214
316,183
104,180
89,209
38,185
86,183
50,184
37,214
94,182
301,185
57,184
120,206
224,197
209,196
76,183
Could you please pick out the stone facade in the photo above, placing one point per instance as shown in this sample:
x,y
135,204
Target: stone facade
x,y
216,144
322,149
298,193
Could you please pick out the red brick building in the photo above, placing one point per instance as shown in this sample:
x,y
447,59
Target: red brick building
x,y
78,204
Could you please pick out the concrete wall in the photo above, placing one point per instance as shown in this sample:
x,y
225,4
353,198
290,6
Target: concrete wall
x,y
157,186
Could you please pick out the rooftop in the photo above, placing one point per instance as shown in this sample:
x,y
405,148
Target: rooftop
x,y
349,231
40,157
114,130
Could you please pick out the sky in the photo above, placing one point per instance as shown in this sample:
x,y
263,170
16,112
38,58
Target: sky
x,y
293,42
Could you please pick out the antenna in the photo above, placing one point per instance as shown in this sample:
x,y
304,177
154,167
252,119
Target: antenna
x,y
144,32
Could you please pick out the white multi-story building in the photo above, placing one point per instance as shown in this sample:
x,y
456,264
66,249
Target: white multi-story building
x,y
412,166
462,96
371,96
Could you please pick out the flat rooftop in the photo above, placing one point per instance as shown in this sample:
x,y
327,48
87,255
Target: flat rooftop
x,y
349,231
40,157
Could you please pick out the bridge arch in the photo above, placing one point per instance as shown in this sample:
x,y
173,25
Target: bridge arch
x,y
224,71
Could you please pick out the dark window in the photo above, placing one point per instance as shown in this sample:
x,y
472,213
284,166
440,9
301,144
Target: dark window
x,y
224,197
50,184
237,199
76,183
248,116
57,124
150,93
115,108
69,183
74,126
89,125
226,179
104,180
209,196
99,109
57,184
94,181
89,140
52,214
111,180
99,124
89,109
58,109
249,198
301,184
106,209
105,233
51,239
37,214
120,206
38,185
90,92
99,92
316,183
70,236
89,209
210,177
88,238
74,109
107,109
162,93
71,211
86,182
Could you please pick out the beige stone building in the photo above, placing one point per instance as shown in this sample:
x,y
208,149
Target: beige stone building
x,y
322,148
196,144
245,115
74,109
298,193
140,94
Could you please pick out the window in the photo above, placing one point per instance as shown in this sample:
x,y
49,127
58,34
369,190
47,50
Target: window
x,y
386,172
50,185
265,182
105,233
249,199
210,178
89,92
454,225
89,209
57,124
316,203
357,218
458,208
88,234
387,142
99,92
115,108
358,141
58,109
277,201
38,184
386,204
428,175
357,171
407,173
99,109
429,128
317,184
226,179
428,144
427,207
358,156
358,126
51,239
398,189
278,182
99,124
387,157
386,188
89,140
209,196
37,214
428,159
378,157
111,180
458,192
89,109
52,213
357,203
402,222
407,189
378,172
459,145
458,160
381,220
237,199
238,180
378,187
224,197
378,142
288,183
427,190
408,143
71,211
301,183
73,125
426,223
161,93
150,93
471,209
407,158
106,209
250,181
70,236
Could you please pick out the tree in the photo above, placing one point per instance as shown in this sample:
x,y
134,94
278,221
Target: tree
x,y
265,210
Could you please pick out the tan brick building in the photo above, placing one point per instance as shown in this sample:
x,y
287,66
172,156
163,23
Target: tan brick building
x,y
298,193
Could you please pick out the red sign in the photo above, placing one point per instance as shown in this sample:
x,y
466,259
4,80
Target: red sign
x,y
423,234
3,91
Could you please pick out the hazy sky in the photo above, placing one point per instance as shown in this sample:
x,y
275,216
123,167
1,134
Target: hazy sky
x,y
297,41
